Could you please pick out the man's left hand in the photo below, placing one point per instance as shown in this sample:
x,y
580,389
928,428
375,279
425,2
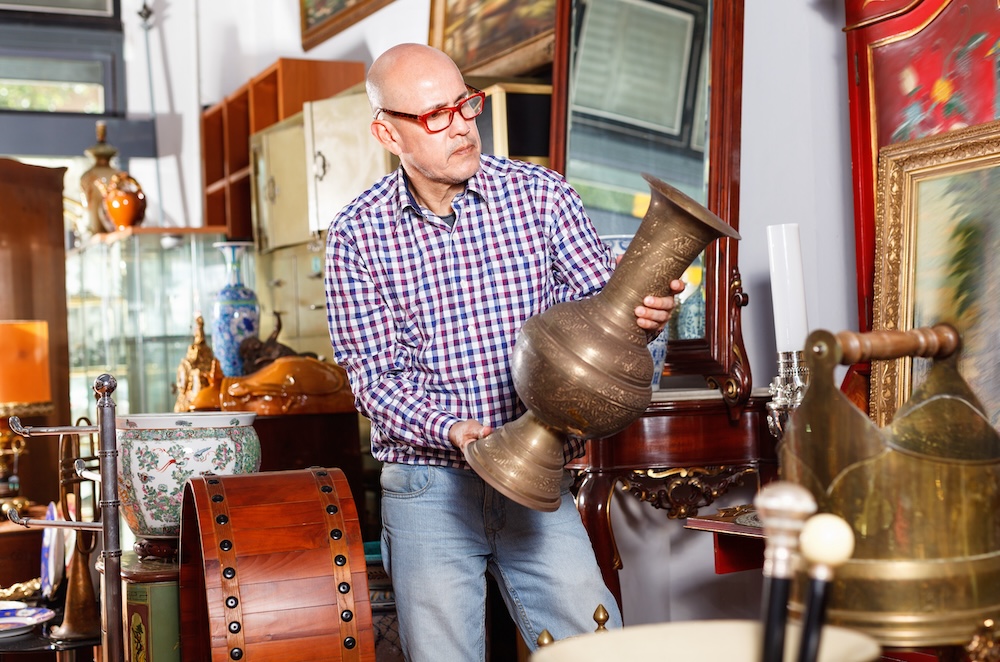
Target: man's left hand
x,y
655,312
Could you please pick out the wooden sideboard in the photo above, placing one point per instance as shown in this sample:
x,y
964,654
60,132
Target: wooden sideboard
x,y
33,259
679,456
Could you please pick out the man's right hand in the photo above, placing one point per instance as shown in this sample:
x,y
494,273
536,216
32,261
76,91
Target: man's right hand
x,y
465,432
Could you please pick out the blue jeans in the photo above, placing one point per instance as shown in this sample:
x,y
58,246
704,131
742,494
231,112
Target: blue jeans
x,y
444,529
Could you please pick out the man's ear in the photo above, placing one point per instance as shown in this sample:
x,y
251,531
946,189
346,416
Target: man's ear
x,y
385,134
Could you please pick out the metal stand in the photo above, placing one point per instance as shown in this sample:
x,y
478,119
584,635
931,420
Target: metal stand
x,y
786,390
112,639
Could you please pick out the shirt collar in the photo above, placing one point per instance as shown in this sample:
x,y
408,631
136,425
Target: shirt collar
x,y
408,203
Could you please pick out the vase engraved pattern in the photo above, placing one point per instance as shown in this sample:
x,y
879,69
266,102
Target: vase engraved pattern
x,y
583,368
236,314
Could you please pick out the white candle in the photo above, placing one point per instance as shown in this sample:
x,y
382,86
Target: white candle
x,y
788,296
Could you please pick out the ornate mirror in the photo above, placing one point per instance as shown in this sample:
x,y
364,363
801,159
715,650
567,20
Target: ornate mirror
x,y
655,86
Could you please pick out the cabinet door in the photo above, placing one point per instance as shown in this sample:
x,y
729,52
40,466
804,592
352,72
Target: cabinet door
x,y
279,172
278,294
343,158
312,295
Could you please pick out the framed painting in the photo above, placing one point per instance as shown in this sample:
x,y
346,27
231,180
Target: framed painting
x,y
937,251
917,68
494,37
321,19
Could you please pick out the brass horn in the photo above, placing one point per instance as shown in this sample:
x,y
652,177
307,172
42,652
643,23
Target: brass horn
x,y
582,367
81,616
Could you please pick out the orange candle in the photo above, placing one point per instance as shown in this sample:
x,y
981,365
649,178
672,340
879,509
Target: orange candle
x,y
24,363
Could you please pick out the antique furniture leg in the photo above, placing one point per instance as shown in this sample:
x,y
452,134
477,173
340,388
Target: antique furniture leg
x,y
594,503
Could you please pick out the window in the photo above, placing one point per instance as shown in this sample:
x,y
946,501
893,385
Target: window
x,y
62,69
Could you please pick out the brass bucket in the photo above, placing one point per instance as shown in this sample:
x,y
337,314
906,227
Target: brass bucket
x,y
582,367
922,494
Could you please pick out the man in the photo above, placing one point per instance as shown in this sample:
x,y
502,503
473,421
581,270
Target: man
x,y
430,275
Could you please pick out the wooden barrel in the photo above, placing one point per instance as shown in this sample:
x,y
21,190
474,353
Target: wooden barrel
x,y
272,567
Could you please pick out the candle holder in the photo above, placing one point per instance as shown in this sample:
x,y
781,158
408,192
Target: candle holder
x,y
786,390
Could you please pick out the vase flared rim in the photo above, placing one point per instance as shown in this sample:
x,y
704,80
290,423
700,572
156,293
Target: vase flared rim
x,y
182,420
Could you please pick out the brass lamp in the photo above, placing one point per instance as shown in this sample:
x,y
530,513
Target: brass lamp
x,y
25,390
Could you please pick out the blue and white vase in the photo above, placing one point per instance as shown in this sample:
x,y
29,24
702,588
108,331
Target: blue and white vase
x,y
236,313
691,316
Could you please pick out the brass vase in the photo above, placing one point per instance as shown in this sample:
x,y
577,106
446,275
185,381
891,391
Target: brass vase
x,y
582,367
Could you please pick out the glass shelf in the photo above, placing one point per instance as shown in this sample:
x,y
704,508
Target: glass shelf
x,y
132,299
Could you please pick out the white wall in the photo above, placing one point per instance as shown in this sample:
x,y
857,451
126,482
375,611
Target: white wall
x,y
795,168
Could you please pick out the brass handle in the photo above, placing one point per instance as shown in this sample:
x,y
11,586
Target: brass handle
x,y
938,341
276,282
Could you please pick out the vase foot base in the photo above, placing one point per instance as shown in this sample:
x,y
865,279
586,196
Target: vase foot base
x,y
158,548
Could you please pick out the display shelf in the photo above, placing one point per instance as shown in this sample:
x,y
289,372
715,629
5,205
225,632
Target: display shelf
x,y
275,94
132,298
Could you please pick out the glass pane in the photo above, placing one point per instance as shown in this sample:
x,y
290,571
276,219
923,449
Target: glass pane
x,y
81,7
639,104
51,85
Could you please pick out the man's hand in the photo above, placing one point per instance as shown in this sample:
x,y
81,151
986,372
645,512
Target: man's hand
x,y
655,312
465,432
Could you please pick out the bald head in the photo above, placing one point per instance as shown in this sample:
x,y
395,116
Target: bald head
x,y
405,68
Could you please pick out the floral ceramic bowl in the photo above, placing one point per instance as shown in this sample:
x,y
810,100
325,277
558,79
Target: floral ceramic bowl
x,y
157,453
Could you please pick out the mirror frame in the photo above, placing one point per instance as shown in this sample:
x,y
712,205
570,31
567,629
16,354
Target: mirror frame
x,y
720,357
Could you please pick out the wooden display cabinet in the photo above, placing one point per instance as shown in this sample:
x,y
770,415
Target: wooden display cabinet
x,y
273,95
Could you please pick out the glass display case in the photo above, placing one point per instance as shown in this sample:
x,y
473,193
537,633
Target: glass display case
x,y
132,300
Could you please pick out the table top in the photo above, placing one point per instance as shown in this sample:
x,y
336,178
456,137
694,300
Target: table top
x,y
738,520
38,640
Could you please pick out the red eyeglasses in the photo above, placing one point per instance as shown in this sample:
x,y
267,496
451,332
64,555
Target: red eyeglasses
x,y
440,119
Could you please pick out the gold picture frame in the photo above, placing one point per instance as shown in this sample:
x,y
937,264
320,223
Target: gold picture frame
x,y
321,19
937,257
494,37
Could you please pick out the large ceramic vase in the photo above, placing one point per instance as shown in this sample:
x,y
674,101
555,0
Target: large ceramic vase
x,y
158,453
236,314
582,368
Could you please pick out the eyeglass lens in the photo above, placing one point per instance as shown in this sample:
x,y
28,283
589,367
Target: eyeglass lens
x,y
470,108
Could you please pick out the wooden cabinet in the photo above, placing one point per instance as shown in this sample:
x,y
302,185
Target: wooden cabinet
x,y
278,174
275,94
33,287
290,282
344,159
679,456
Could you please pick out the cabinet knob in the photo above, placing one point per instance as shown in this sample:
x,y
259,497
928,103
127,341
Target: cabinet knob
x,y
321,165
276,282
316,306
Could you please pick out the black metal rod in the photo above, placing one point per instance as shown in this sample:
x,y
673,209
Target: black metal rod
x,y
775,616
812,620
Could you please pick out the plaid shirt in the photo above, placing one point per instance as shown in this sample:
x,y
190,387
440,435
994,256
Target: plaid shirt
x,y
423,317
